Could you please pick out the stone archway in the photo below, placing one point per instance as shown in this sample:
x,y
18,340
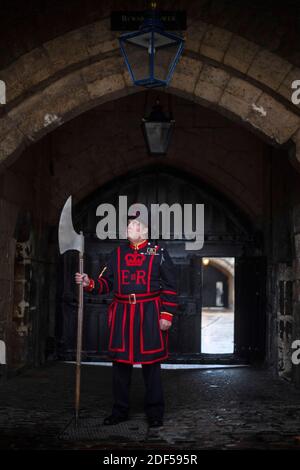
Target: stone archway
x,y
78,71
81,69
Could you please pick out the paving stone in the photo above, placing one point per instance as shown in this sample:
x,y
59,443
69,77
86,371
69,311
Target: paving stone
x,y
254,410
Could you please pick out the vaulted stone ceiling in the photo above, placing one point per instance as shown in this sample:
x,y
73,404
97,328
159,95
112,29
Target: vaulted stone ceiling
x,y
235,61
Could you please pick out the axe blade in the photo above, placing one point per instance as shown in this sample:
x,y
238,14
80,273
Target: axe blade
x,y
68,238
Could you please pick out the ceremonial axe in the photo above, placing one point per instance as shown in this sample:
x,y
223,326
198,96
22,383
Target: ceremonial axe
x,y
69,239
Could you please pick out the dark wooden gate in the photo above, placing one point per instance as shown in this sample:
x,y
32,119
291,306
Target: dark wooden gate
x,y
250,307
185,337
225,235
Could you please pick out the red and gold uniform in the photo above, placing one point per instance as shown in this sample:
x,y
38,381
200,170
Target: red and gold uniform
x,y
142,279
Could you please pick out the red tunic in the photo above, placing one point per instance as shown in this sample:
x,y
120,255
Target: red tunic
x,y
143,281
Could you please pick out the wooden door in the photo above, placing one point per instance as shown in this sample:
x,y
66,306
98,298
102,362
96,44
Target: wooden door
x,y
250,307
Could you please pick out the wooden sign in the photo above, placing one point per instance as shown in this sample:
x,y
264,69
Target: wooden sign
x,y
132,20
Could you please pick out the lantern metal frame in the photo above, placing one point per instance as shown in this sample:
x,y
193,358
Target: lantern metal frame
x,y
158,117
151,25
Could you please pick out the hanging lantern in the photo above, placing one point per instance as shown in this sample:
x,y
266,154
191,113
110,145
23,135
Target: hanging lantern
x,y
151,54
158,129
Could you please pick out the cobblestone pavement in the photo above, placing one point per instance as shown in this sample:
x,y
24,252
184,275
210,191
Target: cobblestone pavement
x,y
205,409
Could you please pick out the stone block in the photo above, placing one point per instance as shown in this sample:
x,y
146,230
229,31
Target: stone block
x,y
285,89
64,96
99,38
269,68
29,114
67,49
33,67
104,77
238,96
14,85
273,119
211,83
103,68
240,53
215,43
186,74
194,35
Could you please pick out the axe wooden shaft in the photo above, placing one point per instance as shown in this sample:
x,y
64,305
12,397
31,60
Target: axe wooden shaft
x,y
79,341
69,239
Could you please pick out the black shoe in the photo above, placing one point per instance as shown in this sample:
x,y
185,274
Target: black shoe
x,y
155,422
112,419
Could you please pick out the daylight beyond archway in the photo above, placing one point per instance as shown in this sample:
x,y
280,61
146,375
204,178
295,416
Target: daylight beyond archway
x,y
217,316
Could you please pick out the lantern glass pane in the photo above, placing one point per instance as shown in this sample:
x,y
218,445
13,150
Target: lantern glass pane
x,y
158,136
144,40
163,60
139,60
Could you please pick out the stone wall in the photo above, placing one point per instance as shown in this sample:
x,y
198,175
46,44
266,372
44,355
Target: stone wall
x,y
95,149
296,286
71,124
283,282
8,216
225,66
107,142
25,267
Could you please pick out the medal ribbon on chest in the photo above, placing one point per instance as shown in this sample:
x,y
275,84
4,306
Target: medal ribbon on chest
x,y
151,250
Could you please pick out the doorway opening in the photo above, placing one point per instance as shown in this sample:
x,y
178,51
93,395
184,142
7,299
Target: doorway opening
x,y
217,315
